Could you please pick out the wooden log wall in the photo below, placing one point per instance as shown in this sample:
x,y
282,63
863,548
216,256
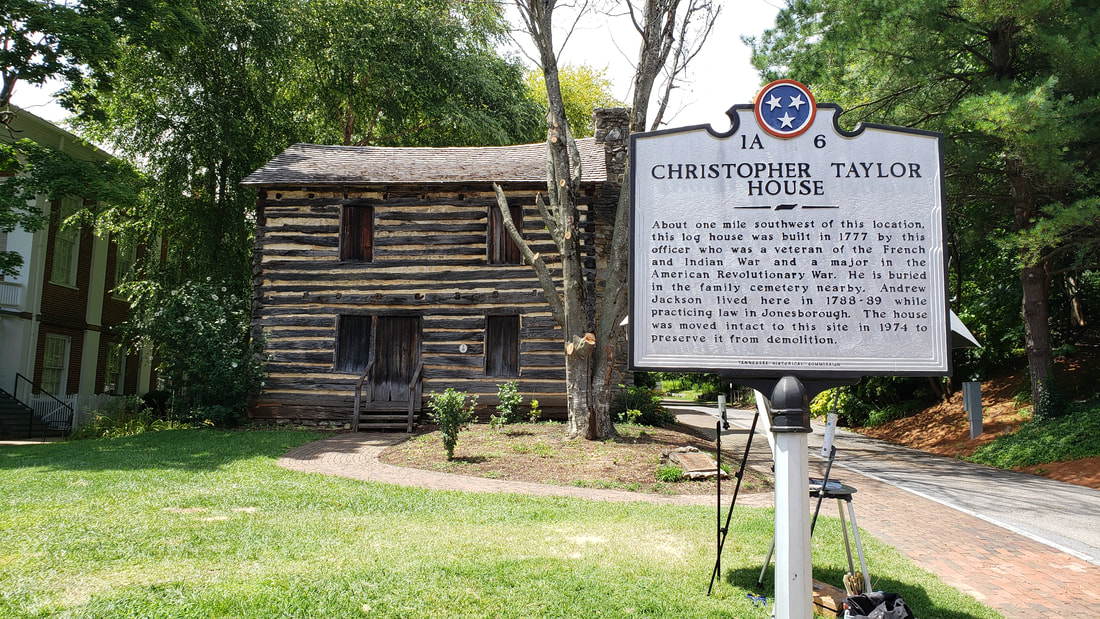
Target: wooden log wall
x,y
429,260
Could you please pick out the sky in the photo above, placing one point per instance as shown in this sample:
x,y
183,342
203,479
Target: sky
x,y
719,77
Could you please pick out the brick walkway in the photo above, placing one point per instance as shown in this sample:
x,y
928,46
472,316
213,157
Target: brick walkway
x,y
1019,577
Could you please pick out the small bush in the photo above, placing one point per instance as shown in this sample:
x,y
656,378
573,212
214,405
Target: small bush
x,y
646,401
535,412
670,474
217,415
451,411
887,414
647,379
510,400
119,417
874,395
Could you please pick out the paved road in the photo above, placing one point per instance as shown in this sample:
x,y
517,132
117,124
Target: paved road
x,y
1026,546
1063,516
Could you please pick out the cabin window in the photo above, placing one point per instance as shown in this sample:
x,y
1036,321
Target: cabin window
x,y
502,345
352,343
357,233
502,249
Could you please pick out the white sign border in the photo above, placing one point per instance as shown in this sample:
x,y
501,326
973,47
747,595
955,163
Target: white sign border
x,y
799,367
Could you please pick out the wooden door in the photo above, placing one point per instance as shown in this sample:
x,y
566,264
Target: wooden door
x,y
397,346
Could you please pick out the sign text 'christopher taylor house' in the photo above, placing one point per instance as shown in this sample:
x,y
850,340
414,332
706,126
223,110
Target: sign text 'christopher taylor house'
x,y
392,264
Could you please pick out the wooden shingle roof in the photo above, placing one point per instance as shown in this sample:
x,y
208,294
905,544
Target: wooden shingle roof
x,y
315,164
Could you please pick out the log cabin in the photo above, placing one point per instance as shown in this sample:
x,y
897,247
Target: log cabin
x,y
386,272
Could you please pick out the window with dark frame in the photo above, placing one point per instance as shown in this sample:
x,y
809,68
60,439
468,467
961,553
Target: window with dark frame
x,y
352,343
502,345
502,249
357,233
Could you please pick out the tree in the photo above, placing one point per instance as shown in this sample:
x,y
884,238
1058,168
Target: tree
x,y
73,42
1012,88
40,40
583,90
36,170
418,72
225,87
672,32
199,107
591,331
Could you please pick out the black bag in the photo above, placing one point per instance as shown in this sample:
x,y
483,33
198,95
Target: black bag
x,y
876,605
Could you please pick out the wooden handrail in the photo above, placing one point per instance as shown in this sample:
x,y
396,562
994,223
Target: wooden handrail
x,y
414,393
359,393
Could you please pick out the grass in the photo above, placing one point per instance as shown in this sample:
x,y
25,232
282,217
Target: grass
x,y
203,523
1072,436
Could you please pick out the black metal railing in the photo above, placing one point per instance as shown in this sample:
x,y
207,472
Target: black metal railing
x,y
59,415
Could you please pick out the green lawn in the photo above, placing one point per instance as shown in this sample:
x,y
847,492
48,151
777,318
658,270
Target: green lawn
x,y
202,523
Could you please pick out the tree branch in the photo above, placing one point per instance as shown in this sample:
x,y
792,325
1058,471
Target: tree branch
x,y
549,288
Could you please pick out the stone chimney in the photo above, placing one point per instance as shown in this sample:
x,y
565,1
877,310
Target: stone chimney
x,y
612,127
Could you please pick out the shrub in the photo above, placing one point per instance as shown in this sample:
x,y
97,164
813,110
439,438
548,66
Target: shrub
x,y
646,401
510,400
669,473
204,351
885,415
885,397
1069,437
217,415
125,416
451,411
535,412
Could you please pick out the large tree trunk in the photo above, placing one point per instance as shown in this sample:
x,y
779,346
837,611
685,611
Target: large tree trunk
x,y
1036,312
1035,283
590,303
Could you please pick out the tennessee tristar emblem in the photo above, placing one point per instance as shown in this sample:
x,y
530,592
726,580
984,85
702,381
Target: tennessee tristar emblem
x,y
785,108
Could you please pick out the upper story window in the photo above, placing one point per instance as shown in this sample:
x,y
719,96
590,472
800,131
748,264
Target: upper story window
x,y
125,254
66,245
502,249
357,233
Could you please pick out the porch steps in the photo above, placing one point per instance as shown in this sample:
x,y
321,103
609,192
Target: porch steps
x,y
385,422
17,420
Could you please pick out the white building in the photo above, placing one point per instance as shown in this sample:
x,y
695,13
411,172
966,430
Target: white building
x,y
58,314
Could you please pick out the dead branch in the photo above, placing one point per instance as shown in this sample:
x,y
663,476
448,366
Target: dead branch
x,y
542,272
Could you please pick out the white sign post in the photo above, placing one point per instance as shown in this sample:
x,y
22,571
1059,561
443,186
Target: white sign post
x,y
784,249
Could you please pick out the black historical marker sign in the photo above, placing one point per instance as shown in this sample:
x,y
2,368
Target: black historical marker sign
x,y
789,246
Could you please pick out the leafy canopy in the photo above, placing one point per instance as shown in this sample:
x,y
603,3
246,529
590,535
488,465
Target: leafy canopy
x,y
583,89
